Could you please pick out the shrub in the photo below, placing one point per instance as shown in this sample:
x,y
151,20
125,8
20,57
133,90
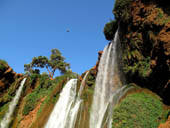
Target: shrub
x,y
139,110
121,9
3,65
110,29
141,68
30,103
33,77
3,62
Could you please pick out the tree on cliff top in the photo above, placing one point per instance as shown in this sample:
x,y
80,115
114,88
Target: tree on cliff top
x,y
56,61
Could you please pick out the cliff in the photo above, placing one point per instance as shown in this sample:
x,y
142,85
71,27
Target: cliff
x,y
144,28
37,100
9,82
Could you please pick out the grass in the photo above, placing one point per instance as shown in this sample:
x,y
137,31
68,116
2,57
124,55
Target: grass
x,y
138,110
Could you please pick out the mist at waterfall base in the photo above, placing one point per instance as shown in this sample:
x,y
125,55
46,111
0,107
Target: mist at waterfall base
x,y
7,118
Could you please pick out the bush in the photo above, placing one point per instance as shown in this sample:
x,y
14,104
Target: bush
x,y
3,65
30,103
121,9
33,77
3,62
141,68
110,29
139,110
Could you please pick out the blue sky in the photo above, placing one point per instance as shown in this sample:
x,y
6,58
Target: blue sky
x,y
31,28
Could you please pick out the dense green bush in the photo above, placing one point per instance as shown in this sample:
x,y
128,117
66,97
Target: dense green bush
x,y
110,29
139,110
121,9
3,65
3,62
141,68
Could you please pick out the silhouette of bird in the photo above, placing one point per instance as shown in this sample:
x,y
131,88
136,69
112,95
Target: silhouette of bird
x,y
68,31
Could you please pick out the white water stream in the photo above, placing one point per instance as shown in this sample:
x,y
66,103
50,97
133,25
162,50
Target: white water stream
x,y
58,117
105,88
7,118
65,112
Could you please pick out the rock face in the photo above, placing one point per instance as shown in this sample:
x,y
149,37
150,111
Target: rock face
x,y
9,82
6,78
144,26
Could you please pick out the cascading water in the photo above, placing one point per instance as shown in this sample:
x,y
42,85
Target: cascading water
x,y
66,109
75,109
105,88
82,85
7,118
114,100
58,117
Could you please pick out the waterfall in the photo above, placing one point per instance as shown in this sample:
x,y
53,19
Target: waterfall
x,y
105,87
66,109
7,118
58,117
74,111
114,100
82,84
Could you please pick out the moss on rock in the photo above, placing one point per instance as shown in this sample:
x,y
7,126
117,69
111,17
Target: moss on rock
x,y
138,110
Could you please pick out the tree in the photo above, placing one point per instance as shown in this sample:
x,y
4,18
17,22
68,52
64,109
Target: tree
x,y
56,61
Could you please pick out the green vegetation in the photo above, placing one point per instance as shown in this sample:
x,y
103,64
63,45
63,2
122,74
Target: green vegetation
x,y
138,110
3,65
56,61
161,18
7,96
121,9
90,80
110,29
142,68
3,110
44,89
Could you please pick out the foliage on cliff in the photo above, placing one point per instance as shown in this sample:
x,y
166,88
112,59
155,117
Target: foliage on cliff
x,y
110,29
144,28
39,95
3,65
139,110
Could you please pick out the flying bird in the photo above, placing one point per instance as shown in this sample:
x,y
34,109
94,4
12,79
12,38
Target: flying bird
x,y
68,30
